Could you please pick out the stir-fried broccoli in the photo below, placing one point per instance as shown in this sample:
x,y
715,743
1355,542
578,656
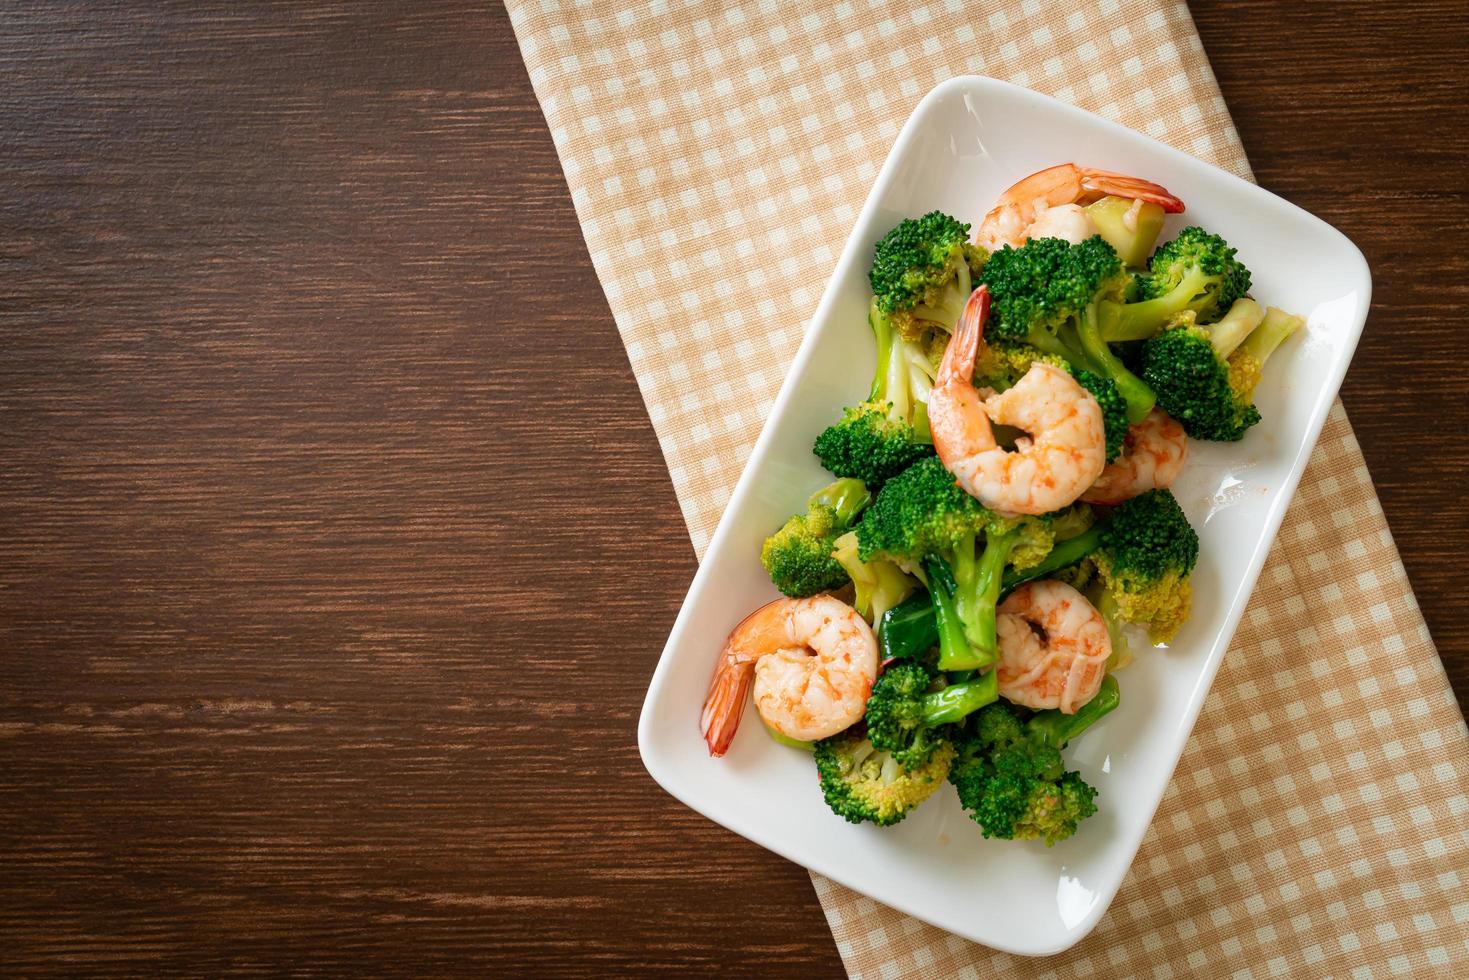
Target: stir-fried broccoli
x,y
1048,292
1000,365
1010,775
1136,568
1114,409
909,715
922,273
888,432
861,783
921,516
1196,271
1147,554
880,584
1206,376
798,557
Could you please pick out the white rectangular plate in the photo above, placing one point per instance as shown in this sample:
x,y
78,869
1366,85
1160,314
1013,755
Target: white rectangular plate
x,y
968,140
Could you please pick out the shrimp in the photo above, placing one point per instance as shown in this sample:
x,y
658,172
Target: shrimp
x,y
1152,457
1053,647
1065,447
1025,210
812,663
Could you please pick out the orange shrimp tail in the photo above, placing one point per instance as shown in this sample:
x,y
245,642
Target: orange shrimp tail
x,y
963,350
725,703
1104,182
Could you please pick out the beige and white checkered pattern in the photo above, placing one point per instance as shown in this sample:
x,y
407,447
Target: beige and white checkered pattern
x,y
1318,823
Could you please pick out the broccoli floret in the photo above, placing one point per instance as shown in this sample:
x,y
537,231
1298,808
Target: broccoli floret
x,y
861,783
798,557
921,516
1147,554
1072,521
1047,294
922,273
1010,775
1196,271
1114,409
1001,364
880,584
908,717
1205,377
888,432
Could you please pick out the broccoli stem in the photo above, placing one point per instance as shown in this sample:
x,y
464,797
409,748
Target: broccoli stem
x,y
845,496
979,590
920,385
902,378
890,380
922,432
786,740
1139,321
1244,316
957,701
1106,605
954,649
1065,554
880,585
952,299
1274,328
1139,397
1057,729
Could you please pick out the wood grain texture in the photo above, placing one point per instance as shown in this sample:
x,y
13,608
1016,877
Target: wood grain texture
x,y
337,549
1363,119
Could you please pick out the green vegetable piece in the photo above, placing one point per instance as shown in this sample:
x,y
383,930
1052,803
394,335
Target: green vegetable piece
x,y
861,783
1131,232
1047,294
957,701
1210,396
909,718
955,653
1010,776
884,435
909,629
922,273
786,740
1058,729
880,584
798,557
922,514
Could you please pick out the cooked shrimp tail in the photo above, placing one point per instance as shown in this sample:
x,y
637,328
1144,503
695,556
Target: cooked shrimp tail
x,y
963,350
725,705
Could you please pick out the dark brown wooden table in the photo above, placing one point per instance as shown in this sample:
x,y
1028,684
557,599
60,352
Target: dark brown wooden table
x,y
336,549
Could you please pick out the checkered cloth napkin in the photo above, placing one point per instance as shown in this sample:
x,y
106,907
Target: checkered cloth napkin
x,y
1317,822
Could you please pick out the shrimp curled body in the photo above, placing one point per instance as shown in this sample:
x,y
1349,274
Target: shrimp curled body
x,y
1053,647
1048,204
1152,457
1062,453
811,663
